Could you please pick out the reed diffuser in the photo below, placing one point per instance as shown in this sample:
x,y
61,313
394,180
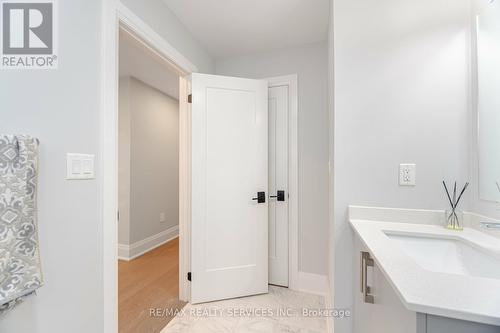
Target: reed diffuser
x,y
454,217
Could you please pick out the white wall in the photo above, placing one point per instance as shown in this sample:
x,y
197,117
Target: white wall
x,y
401,95
310,63
153,164
62,109
157,14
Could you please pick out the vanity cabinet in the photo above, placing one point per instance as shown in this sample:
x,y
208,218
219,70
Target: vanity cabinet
x,y
383,312
387,314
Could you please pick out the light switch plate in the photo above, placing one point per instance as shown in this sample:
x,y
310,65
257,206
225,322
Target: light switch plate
x,y
79,166
407,174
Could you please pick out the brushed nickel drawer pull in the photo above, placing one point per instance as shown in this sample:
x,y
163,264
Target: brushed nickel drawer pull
x,y
366,261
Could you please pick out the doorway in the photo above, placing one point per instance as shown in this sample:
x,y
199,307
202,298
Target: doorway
x,y
148,188
118,17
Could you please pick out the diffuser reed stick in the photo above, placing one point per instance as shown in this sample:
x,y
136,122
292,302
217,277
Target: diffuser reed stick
x,y
452,217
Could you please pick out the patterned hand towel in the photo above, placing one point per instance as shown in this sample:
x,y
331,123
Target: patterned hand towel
x,y
20,270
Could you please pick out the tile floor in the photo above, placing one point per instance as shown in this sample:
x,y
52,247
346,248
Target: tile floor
x,y
280,311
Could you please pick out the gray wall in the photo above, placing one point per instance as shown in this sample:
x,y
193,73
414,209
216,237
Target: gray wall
x,y
153,164
310,63
62,108
401,95
124,137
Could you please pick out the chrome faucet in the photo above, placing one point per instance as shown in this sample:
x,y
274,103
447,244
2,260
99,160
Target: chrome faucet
x,y
490,225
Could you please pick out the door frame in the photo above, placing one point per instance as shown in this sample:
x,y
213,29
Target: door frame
x,y
293,174
116,16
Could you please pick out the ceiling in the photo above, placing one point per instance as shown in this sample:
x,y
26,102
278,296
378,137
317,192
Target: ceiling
x,y
235,27
139,62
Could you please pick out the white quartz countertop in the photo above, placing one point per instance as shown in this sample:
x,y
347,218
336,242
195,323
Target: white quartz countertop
x,y
450,295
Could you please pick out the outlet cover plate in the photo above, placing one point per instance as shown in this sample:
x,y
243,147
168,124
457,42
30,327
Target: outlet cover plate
x,y
407,174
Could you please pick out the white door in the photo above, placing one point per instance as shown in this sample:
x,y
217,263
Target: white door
x,y
229,227
278,185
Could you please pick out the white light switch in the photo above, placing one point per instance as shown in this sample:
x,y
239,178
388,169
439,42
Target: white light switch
x,y
88,166
407,174
80,166
76,167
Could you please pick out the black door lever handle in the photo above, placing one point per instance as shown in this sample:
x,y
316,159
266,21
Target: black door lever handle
x,y
280,196
261,197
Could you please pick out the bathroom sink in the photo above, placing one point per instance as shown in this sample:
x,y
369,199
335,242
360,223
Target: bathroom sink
x,y
448,255
434,270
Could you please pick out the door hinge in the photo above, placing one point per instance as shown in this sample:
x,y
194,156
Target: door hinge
x,y
189,276
190,98
118,215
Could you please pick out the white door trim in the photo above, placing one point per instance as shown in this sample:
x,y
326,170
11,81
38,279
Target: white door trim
x,y
184,189
293,176
115,17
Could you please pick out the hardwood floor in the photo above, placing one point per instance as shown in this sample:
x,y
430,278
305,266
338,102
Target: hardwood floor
x,y
148,282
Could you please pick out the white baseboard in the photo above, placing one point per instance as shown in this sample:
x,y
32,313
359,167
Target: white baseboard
x,y
123,252
312,283
129,252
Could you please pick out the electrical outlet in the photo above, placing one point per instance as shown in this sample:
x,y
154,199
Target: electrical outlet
x,y
162,217
407,174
